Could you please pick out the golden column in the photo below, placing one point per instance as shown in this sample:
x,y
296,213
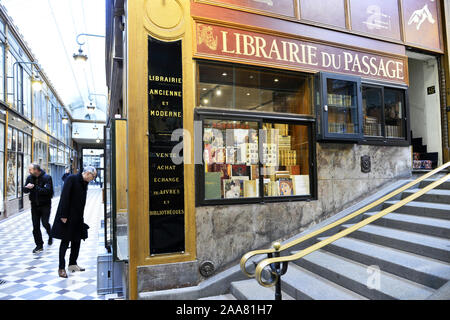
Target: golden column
x,y
165,20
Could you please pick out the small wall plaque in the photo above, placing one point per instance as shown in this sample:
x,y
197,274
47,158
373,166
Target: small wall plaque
x,y
365,164
206,269
431,90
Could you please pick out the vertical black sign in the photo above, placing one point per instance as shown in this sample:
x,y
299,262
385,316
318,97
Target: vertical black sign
x,y
165,107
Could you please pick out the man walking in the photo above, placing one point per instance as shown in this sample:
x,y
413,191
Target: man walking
x,y
69,222
39,185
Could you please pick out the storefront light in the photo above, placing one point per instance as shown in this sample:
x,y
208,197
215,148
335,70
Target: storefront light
x,y
76,133
95,128
65,120
98,140
90,108
80,56
205,101
218,92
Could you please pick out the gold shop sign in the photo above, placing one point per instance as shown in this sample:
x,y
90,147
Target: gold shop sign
x,y
224,43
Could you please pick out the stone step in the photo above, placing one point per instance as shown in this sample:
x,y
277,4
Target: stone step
x,y
361,279
420,244
426,182
430,226
429,272
434,195
252,290
305,285
425,209
220,297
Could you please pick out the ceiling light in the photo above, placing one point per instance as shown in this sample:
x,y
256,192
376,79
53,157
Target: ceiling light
x,y
224,74
218,92
276,80
65,120
248,93
117,116
76,133
204,89
205,101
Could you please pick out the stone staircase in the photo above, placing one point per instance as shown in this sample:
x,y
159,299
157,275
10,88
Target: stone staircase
x,y
403,255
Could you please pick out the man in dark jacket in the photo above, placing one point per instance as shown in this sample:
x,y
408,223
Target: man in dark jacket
x,y
65,175
69,222
39,185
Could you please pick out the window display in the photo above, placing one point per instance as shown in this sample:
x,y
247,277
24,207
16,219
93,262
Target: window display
x,y
384,114
285,160
231,159
339,110
235,152
11,172
393,113
372,99
342,106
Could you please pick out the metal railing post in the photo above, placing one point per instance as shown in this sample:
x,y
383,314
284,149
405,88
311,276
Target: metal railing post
x,y
278,296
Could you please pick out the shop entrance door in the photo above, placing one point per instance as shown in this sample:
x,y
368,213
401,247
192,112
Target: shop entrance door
x,y
425,111
20,180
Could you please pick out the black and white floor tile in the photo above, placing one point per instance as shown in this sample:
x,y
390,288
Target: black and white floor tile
x,y
28,276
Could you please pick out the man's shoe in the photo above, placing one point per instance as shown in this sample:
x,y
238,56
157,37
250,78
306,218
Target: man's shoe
x,y
62,273
50,241
38,249
74,268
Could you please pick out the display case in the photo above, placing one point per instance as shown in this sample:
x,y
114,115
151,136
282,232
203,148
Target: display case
x,y
255,158
338,105
116,215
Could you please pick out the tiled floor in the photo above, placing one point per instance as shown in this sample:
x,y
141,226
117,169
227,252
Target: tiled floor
x,y
31,276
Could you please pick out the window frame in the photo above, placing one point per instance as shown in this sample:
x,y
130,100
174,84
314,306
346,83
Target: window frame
x,y
323,134
201,114
384,140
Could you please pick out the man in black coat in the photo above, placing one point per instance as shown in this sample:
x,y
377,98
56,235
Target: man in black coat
x,y
65,175
39,185
69,222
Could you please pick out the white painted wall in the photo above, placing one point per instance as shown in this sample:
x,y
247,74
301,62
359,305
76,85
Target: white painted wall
x,y
425,115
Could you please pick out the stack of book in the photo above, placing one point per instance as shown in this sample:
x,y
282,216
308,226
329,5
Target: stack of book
x,y
284,142
336,127
372,127
393,131
288,157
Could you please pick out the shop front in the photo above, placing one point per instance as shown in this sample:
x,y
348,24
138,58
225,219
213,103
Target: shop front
x,y
252,122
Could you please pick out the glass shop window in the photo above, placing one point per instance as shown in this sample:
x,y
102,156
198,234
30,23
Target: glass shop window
x,y
373,111
384,112
254,89
255,160
285,150
393,113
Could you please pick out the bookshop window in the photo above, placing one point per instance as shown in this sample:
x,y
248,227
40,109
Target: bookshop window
x,y
253,89
235,152
393,113
384,112
373,111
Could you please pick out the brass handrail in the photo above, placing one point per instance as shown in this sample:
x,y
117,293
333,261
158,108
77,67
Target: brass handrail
x,y
285,246
358,212
285,259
